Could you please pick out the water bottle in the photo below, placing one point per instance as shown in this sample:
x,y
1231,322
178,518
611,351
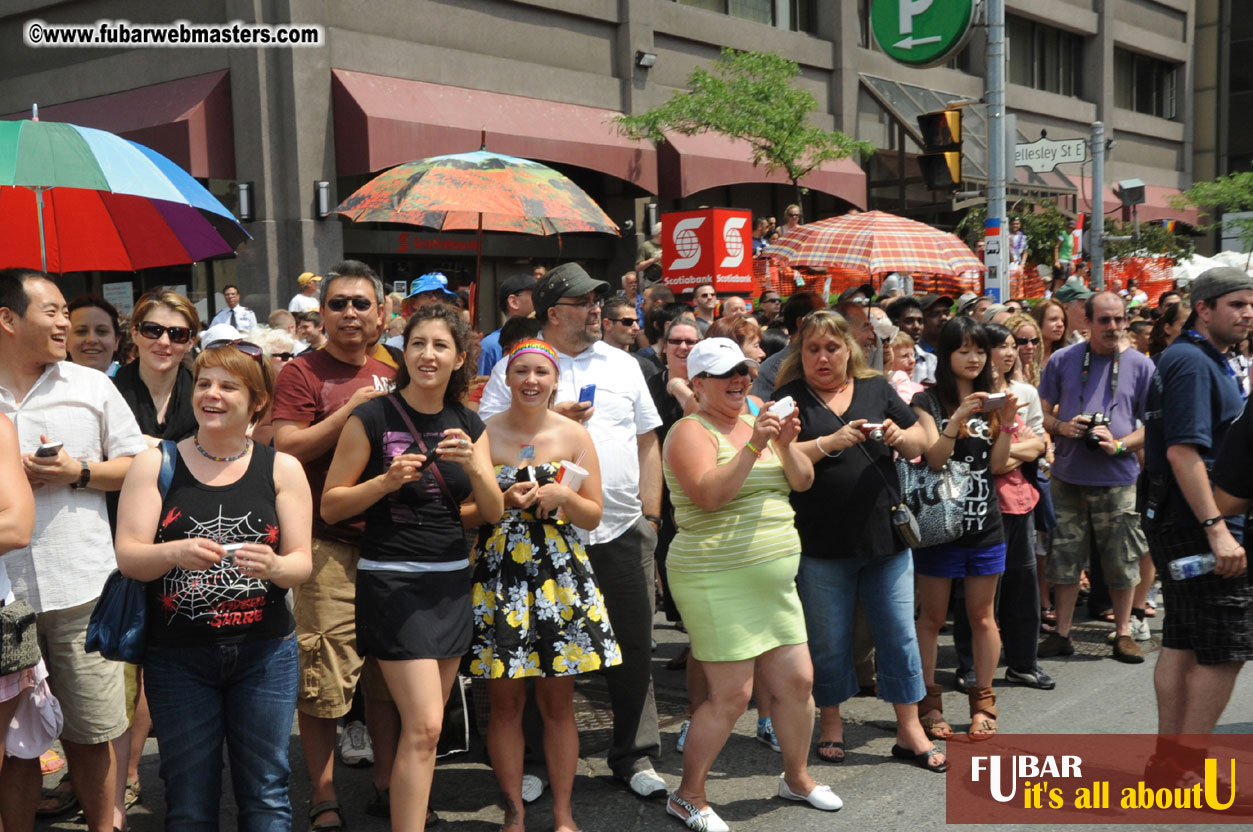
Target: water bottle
x,y
1193,565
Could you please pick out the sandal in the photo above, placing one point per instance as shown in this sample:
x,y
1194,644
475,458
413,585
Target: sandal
x,y
326,826
50,762
679,662
133,793
982,714
922,759
57,801
830,745
1106,616
936,728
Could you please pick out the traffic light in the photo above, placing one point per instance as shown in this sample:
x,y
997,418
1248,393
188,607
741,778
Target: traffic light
x,y
941,158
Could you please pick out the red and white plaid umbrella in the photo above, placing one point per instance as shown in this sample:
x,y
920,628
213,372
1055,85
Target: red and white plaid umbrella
x,y
876,243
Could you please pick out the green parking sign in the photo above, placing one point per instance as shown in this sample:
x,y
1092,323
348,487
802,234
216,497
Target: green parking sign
x,y
921,32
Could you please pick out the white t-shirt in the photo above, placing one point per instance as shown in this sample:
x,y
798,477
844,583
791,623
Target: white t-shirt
x,y
304,303
623,410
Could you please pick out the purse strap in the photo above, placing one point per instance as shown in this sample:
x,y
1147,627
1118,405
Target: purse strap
x,y
434,466
169,453
894,493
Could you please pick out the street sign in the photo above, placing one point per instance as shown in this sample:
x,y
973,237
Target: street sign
x,y
1045,154
921,33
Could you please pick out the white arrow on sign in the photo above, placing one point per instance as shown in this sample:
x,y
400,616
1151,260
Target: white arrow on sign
x,y
911,41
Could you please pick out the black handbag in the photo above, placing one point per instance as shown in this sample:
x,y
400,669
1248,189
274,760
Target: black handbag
x,y
118,629
19,644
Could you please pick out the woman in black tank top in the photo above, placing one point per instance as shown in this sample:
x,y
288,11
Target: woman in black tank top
x,y
219,536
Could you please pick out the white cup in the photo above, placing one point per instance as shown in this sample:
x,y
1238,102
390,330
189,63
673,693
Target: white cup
x,y
571,475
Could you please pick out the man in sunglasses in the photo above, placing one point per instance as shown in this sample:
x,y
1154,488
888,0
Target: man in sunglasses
x,y
621,419
621,329
315,394
62,571
1100,392
235,314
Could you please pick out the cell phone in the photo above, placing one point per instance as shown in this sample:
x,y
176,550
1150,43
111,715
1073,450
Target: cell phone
x,y
784,407
231,548
415,449
588,394
993,402
48,449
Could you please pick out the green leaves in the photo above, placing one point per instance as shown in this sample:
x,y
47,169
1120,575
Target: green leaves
x,y
1232,193
749,96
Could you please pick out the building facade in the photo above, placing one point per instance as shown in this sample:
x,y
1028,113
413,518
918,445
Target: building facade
x,y
395,81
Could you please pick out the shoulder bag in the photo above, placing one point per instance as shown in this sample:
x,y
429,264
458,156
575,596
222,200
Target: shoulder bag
x,y
444,490
118,629
936,498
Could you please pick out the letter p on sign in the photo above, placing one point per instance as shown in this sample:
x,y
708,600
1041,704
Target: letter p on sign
x,y
909,10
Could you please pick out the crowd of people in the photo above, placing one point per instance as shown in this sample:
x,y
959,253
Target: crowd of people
x,y
335,514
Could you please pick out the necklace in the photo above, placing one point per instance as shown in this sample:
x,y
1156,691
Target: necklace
x,y
196,441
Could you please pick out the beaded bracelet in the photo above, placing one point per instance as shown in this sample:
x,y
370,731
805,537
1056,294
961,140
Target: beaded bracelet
x,y
752,449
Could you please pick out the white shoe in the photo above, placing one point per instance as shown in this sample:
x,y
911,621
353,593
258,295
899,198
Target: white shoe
x,y
820,798
532,788
1140,629
354,746
700,820
682,740
647,783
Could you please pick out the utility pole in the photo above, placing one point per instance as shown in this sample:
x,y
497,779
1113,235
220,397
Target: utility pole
x,y
995,94
1096,235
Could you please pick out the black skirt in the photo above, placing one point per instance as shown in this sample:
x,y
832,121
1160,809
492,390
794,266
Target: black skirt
x,y
413,615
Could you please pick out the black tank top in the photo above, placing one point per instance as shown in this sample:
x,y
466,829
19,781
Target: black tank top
x,y
218,605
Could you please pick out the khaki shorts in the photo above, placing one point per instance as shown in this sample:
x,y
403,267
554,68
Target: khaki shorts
x,y
326,631
1107,513
90,688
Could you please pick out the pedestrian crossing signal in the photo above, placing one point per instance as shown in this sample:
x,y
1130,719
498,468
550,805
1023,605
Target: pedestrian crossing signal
x,y
941,158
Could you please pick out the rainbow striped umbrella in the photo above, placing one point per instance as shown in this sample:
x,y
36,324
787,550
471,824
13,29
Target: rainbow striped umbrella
x,y
75,198
876,243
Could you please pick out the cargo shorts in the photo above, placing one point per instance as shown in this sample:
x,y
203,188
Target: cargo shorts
x,y
1106,513
326,633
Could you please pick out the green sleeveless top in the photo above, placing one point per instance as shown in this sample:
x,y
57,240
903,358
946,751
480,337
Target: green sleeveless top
x,y
755,526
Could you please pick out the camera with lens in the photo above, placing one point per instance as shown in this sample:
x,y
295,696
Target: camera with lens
x,y
1097,419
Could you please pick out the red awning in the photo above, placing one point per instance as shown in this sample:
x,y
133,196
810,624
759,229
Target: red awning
x,y
382,121
708,160
1156,204
188,120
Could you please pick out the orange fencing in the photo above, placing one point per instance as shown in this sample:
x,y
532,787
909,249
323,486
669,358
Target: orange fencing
x,y
774,274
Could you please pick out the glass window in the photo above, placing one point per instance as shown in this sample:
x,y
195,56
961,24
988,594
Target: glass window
x,y
1146,85
796,15
1043,57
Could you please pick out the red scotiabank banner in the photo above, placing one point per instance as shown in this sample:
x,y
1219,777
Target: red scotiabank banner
x,y
1138,779
710,245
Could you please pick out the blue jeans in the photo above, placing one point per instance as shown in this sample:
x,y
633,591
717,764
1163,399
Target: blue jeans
x,y
829,591
244,694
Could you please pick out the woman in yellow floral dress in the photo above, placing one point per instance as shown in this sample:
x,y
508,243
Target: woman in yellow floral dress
x,y
538,612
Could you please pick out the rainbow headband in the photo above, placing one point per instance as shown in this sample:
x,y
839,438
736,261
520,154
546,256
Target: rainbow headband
x,y
533,345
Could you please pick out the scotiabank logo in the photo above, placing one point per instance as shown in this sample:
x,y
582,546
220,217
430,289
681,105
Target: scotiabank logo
x,y
734,239
686,243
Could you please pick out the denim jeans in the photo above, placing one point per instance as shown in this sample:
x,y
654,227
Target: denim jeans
x,y
829,590
244,694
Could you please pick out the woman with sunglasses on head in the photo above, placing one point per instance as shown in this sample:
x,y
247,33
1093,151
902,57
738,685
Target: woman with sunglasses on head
x,y
94,333
278,346
219,551
732,569
157,386
538,610
958,427
850,551
407,461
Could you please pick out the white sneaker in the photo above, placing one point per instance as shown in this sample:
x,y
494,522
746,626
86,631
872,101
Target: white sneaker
x,y
682,740
820,798
355,750
699,820
532,788
647,783
1140,629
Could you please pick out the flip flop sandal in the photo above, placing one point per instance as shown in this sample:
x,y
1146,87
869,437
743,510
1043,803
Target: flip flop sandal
x,y
50,762
133,793
327,825
56,802
921,759
828,745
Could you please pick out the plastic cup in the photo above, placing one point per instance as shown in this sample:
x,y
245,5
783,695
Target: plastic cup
x,y
571,475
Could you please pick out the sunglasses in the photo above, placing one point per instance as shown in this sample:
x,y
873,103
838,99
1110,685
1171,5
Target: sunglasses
x,y
793,216
581,304
246,347
283,356
681,342
153,331
1022,342
340,304
1106,320
737,370
623,321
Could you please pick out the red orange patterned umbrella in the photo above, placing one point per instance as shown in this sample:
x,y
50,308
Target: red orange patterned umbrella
x,y
876,243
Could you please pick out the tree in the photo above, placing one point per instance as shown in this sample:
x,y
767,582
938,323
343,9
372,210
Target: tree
x,y
749,96
1042,222
1212,199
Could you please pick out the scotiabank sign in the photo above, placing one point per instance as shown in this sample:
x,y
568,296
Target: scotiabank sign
x,y
712,245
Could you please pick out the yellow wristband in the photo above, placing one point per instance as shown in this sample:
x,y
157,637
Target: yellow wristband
x,y
753,449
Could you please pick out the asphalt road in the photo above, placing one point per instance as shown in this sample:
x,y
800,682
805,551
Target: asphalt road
x,y
1094,694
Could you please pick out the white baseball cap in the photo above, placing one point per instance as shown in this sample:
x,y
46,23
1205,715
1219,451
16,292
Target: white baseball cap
x,y
715,356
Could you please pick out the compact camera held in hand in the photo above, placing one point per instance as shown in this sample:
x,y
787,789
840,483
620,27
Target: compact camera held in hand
x,y
1098,419
873,430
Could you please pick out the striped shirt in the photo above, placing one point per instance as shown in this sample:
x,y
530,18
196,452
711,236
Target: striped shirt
x,y
755,526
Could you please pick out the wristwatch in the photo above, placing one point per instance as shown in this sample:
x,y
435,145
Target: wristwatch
x,y
84,477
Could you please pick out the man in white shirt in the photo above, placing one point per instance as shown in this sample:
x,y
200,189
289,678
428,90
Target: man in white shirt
x,y
306,300
621,418
61,573
238,316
